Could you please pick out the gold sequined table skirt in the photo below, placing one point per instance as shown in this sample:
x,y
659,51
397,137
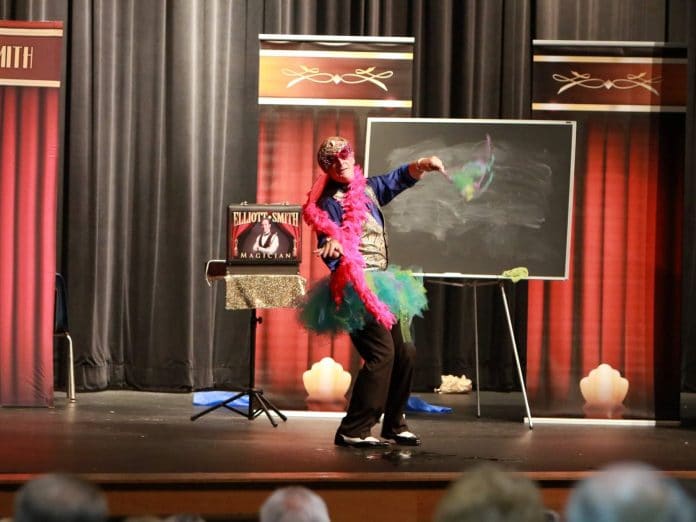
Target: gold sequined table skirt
x,y
263,291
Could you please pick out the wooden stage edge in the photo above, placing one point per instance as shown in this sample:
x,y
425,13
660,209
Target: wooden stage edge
x,y
370,496
398,497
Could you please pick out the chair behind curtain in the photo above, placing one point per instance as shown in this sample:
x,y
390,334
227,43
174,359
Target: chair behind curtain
x,y
60,329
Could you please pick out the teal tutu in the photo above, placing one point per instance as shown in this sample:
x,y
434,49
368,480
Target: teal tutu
x,y
400,290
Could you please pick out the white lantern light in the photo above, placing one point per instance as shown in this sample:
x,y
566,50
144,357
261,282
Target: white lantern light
x,y
326,382
604,391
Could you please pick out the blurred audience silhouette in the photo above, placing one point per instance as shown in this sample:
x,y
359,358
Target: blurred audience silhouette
x,y
488,493
294,504
184,517
59,498
629,491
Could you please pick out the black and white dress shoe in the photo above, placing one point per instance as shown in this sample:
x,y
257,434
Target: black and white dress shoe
x,y
359,442
405,438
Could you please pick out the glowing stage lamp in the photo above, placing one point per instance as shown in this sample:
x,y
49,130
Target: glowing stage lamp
x,y
327,384
604,391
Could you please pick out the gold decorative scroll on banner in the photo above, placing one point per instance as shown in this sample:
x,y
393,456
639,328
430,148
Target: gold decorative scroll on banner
x,y
335,73
30,56
568,81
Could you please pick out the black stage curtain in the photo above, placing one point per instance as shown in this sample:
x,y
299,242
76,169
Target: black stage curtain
x,y
159,135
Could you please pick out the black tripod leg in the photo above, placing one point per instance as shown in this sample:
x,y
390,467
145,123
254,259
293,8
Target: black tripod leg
x,y
246,414
215,407
268,404
262,406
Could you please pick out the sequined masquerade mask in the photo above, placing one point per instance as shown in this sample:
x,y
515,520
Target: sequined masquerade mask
x,y
331,149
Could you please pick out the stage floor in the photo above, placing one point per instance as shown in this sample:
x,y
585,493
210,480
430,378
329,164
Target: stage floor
x,y
130,441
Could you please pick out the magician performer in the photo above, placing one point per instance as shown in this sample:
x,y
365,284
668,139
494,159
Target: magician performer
x,y
363,295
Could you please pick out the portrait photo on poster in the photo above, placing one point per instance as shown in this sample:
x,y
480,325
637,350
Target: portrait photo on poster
x,y
263,234
505,204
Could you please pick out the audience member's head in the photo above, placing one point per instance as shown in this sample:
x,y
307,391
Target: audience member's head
x,y
59,498
294,504
629,491
489,494
184,517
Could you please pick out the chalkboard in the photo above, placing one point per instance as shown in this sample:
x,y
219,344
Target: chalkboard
x,y
507,205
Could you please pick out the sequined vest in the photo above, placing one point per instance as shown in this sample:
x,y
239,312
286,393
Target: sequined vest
x,y
373,239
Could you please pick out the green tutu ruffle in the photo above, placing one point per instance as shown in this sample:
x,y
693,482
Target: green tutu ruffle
x,y
399,289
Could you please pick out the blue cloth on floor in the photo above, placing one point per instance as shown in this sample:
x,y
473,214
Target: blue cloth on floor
x,y
416,404
211,398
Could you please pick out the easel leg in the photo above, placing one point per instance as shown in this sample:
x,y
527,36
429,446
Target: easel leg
x,y
517,357
476,353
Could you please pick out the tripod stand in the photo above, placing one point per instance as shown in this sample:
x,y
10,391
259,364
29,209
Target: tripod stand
x,y
257,402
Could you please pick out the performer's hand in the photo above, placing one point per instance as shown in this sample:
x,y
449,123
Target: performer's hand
x,y
428,164
436,164
331,248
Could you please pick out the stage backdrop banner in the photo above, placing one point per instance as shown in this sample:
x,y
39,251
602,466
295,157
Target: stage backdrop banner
x,y
615,323
310,88
30,67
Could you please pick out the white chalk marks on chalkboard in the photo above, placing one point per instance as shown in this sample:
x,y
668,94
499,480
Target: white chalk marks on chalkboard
x,y
493,184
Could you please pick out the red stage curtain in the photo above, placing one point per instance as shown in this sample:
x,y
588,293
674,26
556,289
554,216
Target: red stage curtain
x,y
29,138
612,309
288,141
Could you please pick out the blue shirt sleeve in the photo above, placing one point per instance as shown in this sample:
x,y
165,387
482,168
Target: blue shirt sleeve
x,y
389,185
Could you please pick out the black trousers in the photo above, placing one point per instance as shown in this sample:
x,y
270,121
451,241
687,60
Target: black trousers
x,y
383,384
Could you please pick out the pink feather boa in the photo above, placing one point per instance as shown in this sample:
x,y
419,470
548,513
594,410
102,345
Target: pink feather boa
x,y
351,267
